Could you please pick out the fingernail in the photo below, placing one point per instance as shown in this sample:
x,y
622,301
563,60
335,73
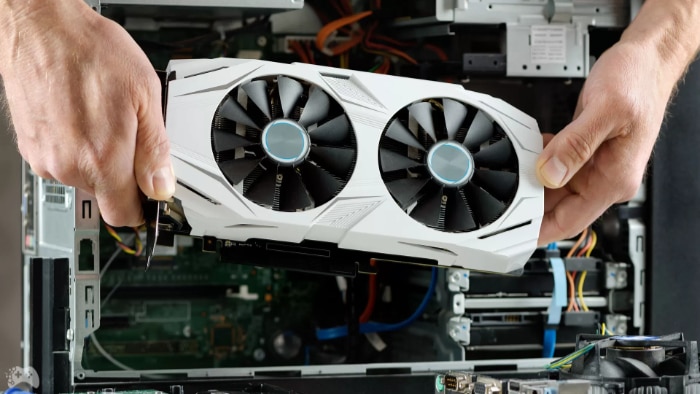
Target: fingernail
x,y
553,172
164,182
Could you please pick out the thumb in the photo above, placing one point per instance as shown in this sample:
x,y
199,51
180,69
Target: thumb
x,y
571,148
152,166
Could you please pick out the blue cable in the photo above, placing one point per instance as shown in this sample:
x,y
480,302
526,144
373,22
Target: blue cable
x,y
324,334
550,343
15,390
555,307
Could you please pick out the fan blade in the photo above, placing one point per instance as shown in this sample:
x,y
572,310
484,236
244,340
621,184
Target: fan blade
x,y
262,191
238,169
257,92
485,207
496,155
458,214
334,131
635,368
316,107
321,185
428,209
339,161
501,184
398,132
289,91
455,113
480,130
392,161
293,194
224,140
233,111
406,191
423,113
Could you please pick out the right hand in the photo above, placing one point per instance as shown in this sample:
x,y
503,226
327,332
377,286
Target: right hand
x,y
86,107
600,158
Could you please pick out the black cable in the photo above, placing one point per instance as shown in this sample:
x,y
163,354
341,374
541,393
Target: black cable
x,y
353,317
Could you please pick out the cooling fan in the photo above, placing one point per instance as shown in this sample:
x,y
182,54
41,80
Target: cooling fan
x,y
638,364
600,365
448,165
284,142
620,357
330,167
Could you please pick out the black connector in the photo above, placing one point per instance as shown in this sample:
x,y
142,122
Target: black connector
x,y
581,319
580,264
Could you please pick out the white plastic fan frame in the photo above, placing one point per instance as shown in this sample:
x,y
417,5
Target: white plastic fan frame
x,y
363,216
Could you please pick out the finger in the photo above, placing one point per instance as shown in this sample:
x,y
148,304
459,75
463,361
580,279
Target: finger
x,y
569,150
570,217
110,174
552,197
120,205
153,169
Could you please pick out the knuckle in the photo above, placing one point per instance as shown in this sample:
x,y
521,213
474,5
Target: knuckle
x,y
96,166
628,188
153,84
563,228
153,145
149,86
116,218
624,108
579,146
40,170
58,169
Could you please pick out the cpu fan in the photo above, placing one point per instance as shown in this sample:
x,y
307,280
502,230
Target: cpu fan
x,y
448,165
635,357
285,142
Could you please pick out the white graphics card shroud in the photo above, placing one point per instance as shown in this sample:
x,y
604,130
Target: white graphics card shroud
x,y
363,216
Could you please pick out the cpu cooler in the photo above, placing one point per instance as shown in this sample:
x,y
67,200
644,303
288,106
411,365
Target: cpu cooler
x,y
390,167
637,364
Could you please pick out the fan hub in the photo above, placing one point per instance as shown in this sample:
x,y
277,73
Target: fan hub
x,y
286,142
450,164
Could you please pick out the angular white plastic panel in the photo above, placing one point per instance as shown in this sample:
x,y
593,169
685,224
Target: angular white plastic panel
x,y
363,216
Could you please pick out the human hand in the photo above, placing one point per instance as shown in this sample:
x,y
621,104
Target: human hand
x,y
86,105
600,158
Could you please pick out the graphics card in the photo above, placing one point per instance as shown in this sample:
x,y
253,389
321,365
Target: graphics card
x,y
407,169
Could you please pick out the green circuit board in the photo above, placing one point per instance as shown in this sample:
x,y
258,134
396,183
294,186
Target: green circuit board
x,y
190,310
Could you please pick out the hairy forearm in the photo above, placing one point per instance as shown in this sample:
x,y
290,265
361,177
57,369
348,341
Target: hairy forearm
x,y
670,31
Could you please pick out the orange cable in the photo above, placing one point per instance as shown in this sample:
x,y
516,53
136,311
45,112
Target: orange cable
x,y
328,32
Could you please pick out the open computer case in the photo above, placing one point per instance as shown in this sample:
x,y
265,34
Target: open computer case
x,y
329,302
